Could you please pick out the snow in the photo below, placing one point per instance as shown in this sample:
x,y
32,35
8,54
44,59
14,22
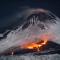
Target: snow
x,y
31,57
18,37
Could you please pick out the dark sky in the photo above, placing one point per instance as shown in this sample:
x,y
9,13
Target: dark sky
x,y
8,9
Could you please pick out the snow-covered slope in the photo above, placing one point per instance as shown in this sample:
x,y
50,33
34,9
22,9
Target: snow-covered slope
x,y
31,57
37,23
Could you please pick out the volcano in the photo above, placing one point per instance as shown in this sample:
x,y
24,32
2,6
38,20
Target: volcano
x,y
39,24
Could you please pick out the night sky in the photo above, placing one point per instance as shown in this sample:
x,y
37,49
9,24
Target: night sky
x,y
9,10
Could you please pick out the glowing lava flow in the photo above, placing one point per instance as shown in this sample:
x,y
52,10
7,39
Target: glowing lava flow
x,y
40,42
36,45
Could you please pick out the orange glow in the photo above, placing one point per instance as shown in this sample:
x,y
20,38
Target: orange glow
x,y
36,45
30,45
41,42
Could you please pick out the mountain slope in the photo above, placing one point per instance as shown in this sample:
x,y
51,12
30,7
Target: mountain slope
x,y
37,24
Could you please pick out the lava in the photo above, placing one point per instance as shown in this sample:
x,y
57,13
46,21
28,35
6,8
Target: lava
x,y
36,45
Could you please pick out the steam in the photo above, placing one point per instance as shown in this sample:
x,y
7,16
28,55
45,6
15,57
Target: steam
x,y
19,37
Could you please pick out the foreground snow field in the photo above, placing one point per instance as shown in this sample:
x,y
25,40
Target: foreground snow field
x,y
31,57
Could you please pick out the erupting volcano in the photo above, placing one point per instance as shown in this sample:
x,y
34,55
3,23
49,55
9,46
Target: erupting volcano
x,y
39,27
